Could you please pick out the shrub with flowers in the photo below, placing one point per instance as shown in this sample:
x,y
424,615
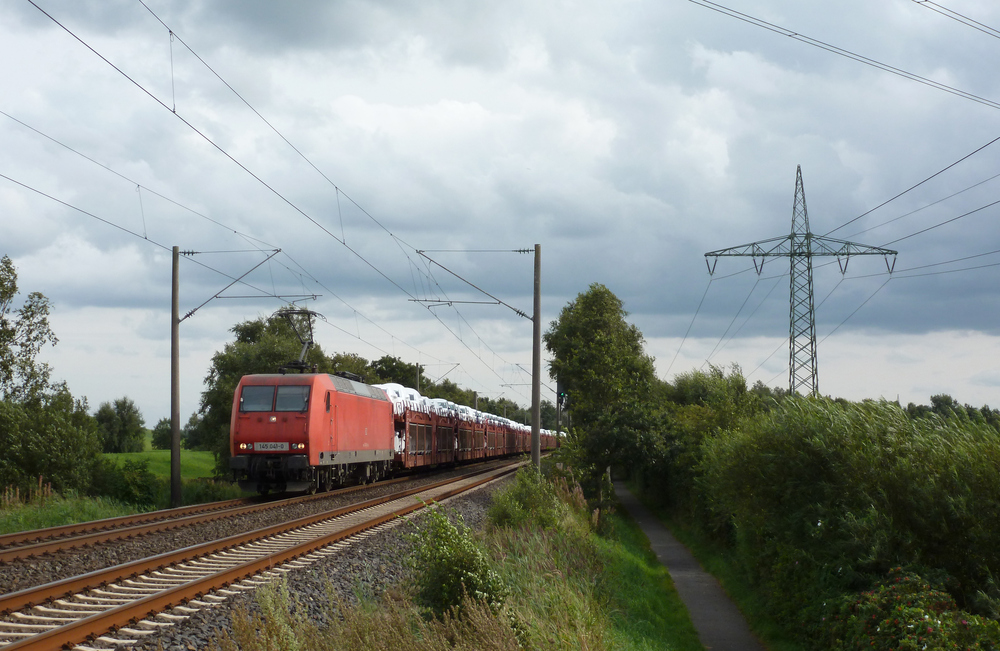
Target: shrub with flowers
x,y
906,613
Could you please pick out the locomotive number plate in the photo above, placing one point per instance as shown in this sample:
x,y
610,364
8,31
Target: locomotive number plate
x,y
261,446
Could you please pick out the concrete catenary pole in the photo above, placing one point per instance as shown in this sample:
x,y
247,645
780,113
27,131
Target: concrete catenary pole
x,y
536,365
175,386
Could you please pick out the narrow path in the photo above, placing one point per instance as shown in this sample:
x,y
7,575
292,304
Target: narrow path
x,y
720,624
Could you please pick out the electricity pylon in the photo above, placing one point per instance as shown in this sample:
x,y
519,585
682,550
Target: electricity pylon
x,y
801,246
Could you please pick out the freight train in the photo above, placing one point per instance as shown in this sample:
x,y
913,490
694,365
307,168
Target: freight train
x,y
314,431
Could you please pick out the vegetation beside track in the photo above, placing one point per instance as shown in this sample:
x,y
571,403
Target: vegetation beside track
x,y
130,482
547,572
43,511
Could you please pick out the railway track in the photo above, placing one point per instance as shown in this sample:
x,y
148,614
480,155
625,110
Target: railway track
x,y
26,544
134,597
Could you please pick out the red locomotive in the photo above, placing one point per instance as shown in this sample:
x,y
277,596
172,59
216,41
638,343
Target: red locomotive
x,y
314,431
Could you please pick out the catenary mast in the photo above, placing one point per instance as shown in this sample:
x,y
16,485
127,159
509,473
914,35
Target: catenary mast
x,y
801,246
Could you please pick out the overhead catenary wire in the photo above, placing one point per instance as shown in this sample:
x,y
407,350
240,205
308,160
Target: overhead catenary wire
x,y
229,156
115,172
260,244
264,294
338,190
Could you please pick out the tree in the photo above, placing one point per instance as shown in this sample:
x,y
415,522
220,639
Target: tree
x,y
191,431
23,332
162,434
354,363
612,386
260,346
945,406
121,425
393,369
597,355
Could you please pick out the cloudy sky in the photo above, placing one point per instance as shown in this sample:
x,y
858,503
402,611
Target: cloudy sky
x,y
627,138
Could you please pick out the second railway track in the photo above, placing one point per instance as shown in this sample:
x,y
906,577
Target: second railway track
x,y
26,544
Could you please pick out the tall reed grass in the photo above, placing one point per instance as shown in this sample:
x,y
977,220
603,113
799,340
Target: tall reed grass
x,y
820,499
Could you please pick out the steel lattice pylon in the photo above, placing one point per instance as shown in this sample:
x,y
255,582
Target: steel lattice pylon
x,y
800,246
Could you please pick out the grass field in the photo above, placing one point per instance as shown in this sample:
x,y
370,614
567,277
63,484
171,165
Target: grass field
x,y
194,463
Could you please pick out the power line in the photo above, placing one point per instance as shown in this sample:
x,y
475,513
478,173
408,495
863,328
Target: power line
x,y
688,331
948,167
926,206
954,15
735,316
757,22
947,221
856,309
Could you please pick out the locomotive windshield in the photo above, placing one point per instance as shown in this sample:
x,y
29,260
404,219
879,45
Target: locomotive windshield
x,y
292,398
263,398
257,398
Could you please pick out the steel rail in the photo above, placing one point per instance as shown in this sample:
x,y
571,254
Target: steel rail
x,y
39,594
90,627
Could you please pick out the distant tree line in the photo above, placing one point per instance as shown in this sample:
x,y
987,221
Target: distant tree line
x,y
945,406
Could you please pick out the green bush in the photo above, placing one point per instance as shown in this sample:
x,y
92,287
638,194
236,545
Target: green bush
x,y
53,438
162,435
530,499
448,565
201,490
129,483
699,405
905,612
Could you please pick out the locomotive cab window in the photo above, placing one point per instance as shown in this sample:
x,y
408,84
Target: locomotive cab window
x,y
292,398
256,398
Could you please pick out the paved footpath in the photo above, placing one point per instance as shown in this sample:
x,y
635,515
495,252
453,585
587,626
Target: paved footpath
x,y
720,624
